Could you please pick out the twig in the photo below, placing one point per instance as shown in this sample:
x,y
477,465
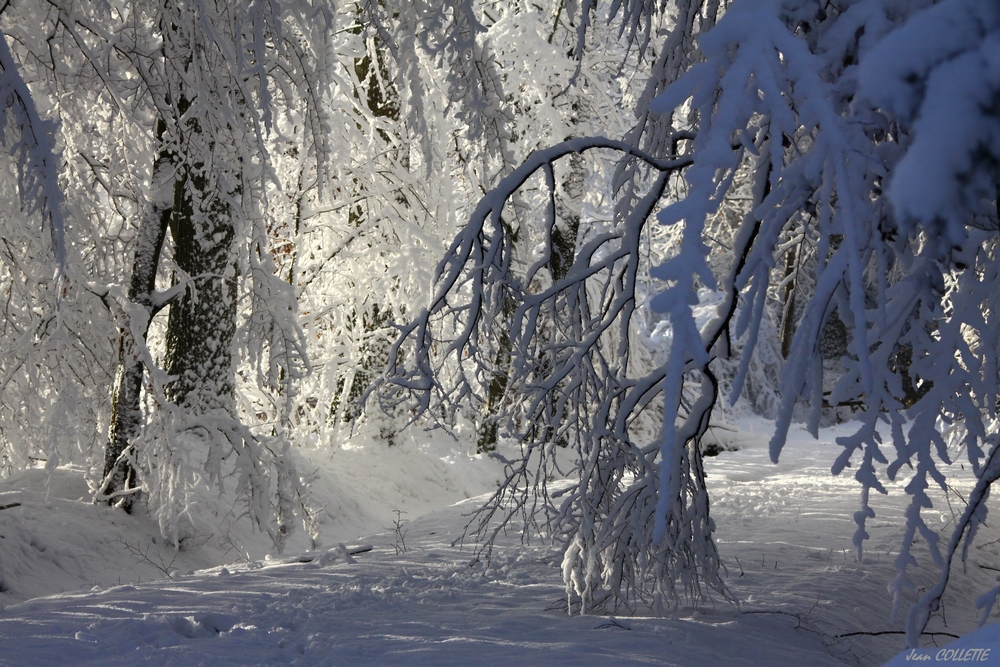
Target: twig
x,y
869,633
244,553
612,624
400,534
166,568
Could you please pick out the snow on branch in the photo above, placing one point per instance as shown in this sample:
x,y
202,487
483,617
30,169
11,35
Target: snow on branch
x,y
480,259
556,365
897,184
900,260
31,144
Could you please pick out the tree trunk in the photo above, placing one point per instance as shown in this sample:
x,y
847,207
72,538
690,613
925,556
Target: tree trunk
x,y
126,415
562,243
788,304
566,226
202,321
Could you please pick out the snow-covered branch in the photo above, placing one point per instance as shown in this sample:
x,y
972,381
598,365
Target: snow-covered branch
x,y
32,143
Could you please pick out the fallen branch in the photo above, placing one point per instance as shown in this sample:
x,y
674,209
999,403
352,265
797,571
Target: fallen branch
x,y
868,633
160,564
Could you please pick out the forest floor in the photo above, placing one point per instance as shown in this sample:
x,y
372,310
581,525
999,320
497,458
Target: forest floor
x,y
784,534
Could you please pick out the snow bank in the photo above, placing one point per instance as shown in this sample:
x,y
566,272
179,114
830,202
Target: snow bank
x,y
784,533
54,540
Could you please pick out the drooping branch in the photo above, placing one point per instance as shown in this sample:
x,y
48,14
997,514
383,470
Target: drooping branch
x,y
37,163
572,382
481,247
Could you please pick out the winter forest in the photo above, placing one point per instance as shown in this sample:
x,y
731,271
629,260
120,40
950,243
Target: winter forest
x,y
660,292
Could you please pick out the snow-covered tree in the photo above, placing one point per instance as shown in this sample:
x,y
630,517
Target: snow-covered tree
x,y
173,114
50,340
474,87
575,372
937,78
801,211
864,137
221,162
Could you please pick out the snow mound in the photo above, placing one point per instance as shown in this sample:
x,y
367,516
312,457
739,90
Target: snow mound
x,y
54,540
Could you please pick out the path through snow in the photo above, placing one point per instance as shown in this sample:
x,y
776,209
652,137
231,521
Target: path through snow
x,y
784,533
424,607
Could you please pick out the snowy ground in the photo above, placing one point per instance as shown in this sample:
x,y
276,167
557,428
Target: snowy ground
x,y
784,533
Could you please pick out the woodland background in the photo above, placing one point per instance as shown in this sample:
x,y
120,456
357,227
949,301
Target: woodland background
x,y
590,232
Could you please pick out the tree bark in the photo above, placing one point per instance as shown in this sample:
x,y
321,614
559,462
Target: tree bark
x,y
126,415
202,321
788,304
566,227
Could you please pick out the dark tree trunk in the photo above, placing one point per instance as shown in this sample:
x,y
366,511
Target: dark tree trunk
x,y
788,303
202,321
126,415
566,227
562,242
